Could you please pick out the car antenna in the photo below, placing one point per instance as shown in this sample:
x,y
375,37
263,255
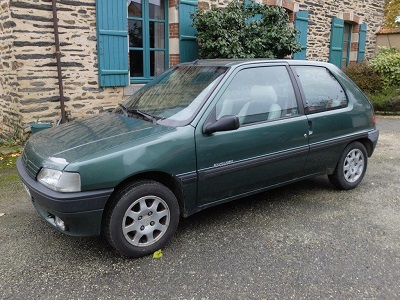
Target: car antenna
x,y
196,61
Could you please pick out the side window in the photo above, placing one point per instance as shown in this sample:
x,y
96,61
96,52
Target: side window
x,y
321,89
259,94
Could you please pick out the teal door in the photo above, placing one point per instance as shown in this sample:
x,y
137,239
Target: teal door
x,y
269,148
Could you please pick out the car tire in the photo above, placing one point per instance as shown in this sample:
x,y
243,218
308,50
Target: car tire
x,y
351,167
142,218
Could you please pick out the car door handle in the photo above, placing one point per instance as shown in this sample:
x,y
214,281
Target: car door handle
x,y
310,129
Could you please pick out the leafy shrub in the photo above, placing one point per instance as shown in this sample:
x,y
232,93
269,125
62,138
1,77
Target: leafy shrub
x,y
388,100
244,30
365,77
387,63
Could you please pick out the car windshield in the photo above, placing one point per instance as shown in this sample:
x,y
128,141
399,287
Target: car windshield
x,y
174,97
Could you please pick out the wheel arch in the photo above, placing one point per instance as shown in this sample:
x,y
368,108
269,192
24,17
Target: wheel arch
x,y
364,141
368,145
351,177
164,178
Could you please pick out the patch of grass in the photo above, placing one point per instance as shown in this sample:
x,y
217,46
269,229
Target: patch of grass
x,y
7,164
9,178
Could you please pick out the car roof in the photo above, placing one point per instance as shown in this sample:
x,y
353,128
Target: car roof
x,y
246,61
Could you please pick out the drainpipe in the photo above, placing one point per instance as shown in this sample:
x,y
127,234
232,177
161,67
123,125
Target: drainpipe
x,y
58,57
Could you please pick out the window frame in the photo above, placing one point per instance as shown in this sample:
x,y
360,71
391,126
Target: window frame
x,y
292,79
348,50
303,96
146,49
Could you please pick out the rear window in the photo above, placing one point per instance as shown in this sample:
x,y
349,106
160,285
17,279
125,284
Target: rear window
x,y
320,88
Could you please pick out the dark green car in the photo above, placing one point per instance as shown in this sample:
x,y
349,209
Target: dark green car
x,y
201,134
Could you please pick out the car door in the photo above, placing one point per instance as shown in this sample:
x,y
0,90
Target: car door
x,y
270,146
329,115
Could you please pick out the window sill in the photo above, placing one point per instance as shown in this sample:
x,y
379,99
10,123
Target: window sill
x,y
132,88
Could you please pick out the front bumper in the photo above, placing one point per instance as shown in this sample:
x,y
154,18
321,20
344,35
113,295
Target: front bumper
x,y
81,212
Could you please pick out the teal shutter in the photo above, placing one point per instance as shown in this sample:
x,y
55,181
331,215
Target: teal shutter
x,y
301,24
112,42
257,17
361,42
188,48
336,47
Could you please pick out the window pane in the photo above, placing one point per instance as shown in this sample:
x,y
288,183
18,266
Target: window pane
x,y
134,8
259,94
346,44
136,63
135,33
157,9
147,38
157,35
321,89
157,62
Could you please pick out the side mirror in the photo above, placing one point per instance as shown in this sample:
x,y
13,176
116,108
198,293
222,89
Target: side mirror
x,y
226,123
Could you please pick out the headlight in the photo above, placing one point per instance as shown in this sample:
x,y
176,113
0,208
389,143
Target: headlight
x,y
60,181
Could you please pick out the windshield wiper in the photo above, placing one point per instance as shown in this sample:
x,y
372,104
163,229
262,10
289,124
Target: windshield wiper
x,y
124,109
128,110
143,114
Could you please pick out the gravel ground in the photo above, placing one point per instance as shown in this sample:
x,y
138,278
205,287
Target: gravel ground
x,y
304,241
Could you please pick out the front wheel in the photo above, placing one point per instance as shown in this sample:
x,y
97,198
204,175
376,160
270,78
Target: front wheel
x,y
351,167
141,219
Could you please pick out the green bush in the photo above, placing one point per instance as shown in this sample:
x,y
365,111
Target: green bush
x,y
388,100
380,79
244,30
387,63
365,77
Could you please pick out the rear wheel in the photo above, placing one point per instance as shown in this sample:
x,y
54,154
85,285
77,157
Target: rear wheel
x,y
141,219
351,167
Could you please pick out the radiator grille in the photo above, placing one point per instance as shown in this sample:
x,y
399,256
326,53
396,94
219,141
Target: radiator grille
x,y
30,167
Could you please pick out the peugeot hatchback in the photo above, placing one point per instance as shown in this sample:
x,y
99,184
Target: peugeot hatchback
x,y
200,134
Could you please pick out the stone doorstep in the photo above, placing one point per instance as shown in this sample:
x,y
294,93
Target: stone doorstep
x,y
10,150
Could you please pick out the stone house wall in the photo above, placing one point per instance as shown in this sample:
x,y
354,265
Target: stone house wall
x,y
9,104
356,12
28,72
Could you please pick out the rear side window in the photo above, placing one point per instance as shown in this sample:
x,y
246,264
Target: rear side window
x,y
321,89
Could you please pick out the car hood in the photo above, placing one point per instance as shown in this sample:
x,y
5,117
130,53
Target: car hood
x,y
64,144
